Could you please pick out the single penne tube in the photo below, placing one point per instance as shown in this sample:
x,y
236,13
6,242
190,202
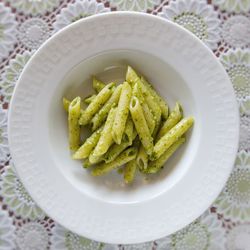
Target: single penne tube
x,y
141,125
105,140
89,99
126,156
73,123
174,117
171,137
97,84
162,104
131,76
128,132
142,158
155,166
94,159
86,163
101,116
90,143
96,104
116,149
129,171
149,117
153,106
137,91
122,113
66,104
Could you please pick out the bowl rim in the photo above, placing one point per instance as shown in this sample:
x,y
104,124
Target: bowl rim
x,y
131,14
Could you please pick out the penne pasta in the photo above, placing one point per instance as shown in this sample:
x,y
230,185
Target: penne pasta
x,y
128,155
170,137
149,117
89,99
85,150
174,117
154,108
128,132
94,159
126,120
129,171
97,84
131,76
155,166
116,149
142,158
73,123
106,139
66,104
162,104
100,117
141,125
122,113
96,104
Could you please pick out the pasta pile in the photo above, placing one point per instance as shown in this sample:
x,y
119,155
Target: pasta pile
x,y
131,128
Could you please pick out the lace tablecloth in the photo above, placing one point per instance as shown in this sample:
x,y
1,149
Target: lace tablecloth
x,y
223,25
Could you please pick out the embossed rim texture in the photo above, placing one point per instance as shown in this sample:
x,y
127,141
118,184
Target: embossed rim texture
x,y
120,223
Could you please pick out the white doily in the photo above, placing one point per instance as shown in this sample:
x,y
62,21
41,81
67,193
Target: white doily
x,y
205,233
244,133
239,238
244,104
196,16
8,26
63,239
32,236
236,31
233,5
6,231
144,246
135,5
12,73
237,65
33,32
234,201
77,10
4,147
17,198
34,6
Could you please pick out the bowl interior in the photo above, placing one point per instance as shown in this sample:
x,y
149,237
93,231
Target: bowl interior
x,y
111,66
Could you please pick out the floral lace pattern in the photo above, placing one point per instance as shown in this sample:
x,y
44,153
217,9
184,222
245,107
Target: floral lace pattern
x,y
34,7
17,198
223,25
135,5
233,5
32,236
144,246
239,237
6,231
237,65
196,16
78,10
12,73
236,31
4,149
204,233
33,32
234,201
63,239
7,31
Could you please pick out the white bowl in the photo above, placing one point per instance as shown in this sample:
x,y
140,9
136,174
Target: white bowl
x,y
182,69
